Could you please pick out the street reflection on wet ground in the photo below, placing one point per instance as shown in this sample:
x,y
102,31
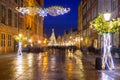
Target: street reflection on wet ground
x,y
49,65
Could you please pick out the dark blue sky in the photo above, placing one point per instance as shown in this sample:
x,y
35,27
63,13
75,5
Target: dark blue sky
x,y
62,22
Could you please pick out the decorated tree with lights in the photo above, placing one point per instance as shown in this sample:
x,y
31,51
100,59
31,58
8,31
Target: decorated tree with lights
x,y
19,38
52,39
101,26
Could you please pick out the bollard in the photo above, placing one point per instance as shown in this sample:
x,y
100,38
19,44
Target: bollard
x,y
98,63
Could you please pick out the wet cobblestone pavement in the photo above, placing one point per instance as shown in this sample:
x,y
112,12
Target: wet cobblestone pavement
x,y
48,66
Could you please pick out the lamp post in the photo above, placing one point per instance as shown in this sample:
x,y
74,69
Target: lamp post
x,y
20,45
107,60
19,38
106,28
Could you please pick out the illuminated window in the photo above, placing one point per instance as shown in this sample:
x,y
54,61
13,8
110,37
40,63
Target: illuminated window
x,y
20,23
21,2
2,40
16,1
35,29
9,17
15,19
9,40
3,14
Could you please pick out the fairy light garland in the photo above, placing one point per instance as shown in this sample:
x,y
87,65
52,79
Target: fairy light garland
x,y
52,11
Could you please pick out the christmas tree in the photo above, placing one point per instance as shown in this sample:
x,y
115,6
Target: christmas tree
x,y
52,41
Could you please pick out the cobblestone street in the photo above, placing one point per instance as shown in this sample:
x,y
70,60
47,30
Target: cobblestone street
x,y
47,66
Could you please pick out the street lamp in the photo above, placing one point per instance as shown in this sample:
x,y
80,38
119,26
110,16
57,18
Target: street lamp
x,y
20,35
106,28
39,41
107,16
81,38
29,40
107,42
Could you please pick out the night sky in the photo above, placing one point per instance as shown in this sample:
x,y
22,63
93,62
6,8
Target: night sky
x,y
64,22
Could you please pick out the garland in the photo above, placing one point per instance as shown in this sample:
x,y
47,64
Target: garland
x,y
19,38
101,26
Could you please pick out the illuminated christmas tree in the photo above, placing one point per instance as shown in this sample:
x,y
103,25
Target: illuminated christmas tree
x,y
52,39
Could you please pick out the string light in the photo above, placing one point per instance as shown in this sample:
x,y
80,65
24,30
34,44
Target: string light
x,y
33,10
57,10
43,12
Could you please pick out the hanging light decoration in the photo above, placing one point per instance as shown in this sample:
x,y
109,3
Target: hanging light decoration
x,y
33,10
57,10
43,12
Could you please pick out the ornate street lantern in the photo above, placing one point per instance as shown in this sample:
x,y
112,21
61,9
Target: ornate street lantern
x,y
107,16
106,28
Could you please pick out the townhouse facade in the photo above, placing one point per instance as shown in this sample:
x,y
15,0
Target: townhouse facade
x,y
71,38
12,23
89,10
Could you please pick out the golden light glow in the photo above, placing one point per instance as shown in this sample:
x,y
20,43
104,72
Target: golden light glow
x,y
30,40
44,42
45,63
39,42
107,16
30,2
20,35
70,68
30,59
19,66
81,38
70,37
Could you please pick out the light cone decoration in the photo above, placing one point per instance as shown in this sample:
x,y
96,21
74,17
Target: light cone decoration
x,y
34,10
19,38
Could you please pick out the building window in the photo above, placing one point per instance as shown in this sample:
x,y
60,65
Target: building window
x,y
21,2
9,1
15,19
9,17
114,4
20,23
36,29
3,14
15,1
84,10
88,17
9,40
2,40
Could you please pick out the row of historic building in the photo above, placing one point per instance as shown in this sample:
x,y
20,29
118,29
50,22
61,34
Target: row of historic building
x,y
12,23
89,10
